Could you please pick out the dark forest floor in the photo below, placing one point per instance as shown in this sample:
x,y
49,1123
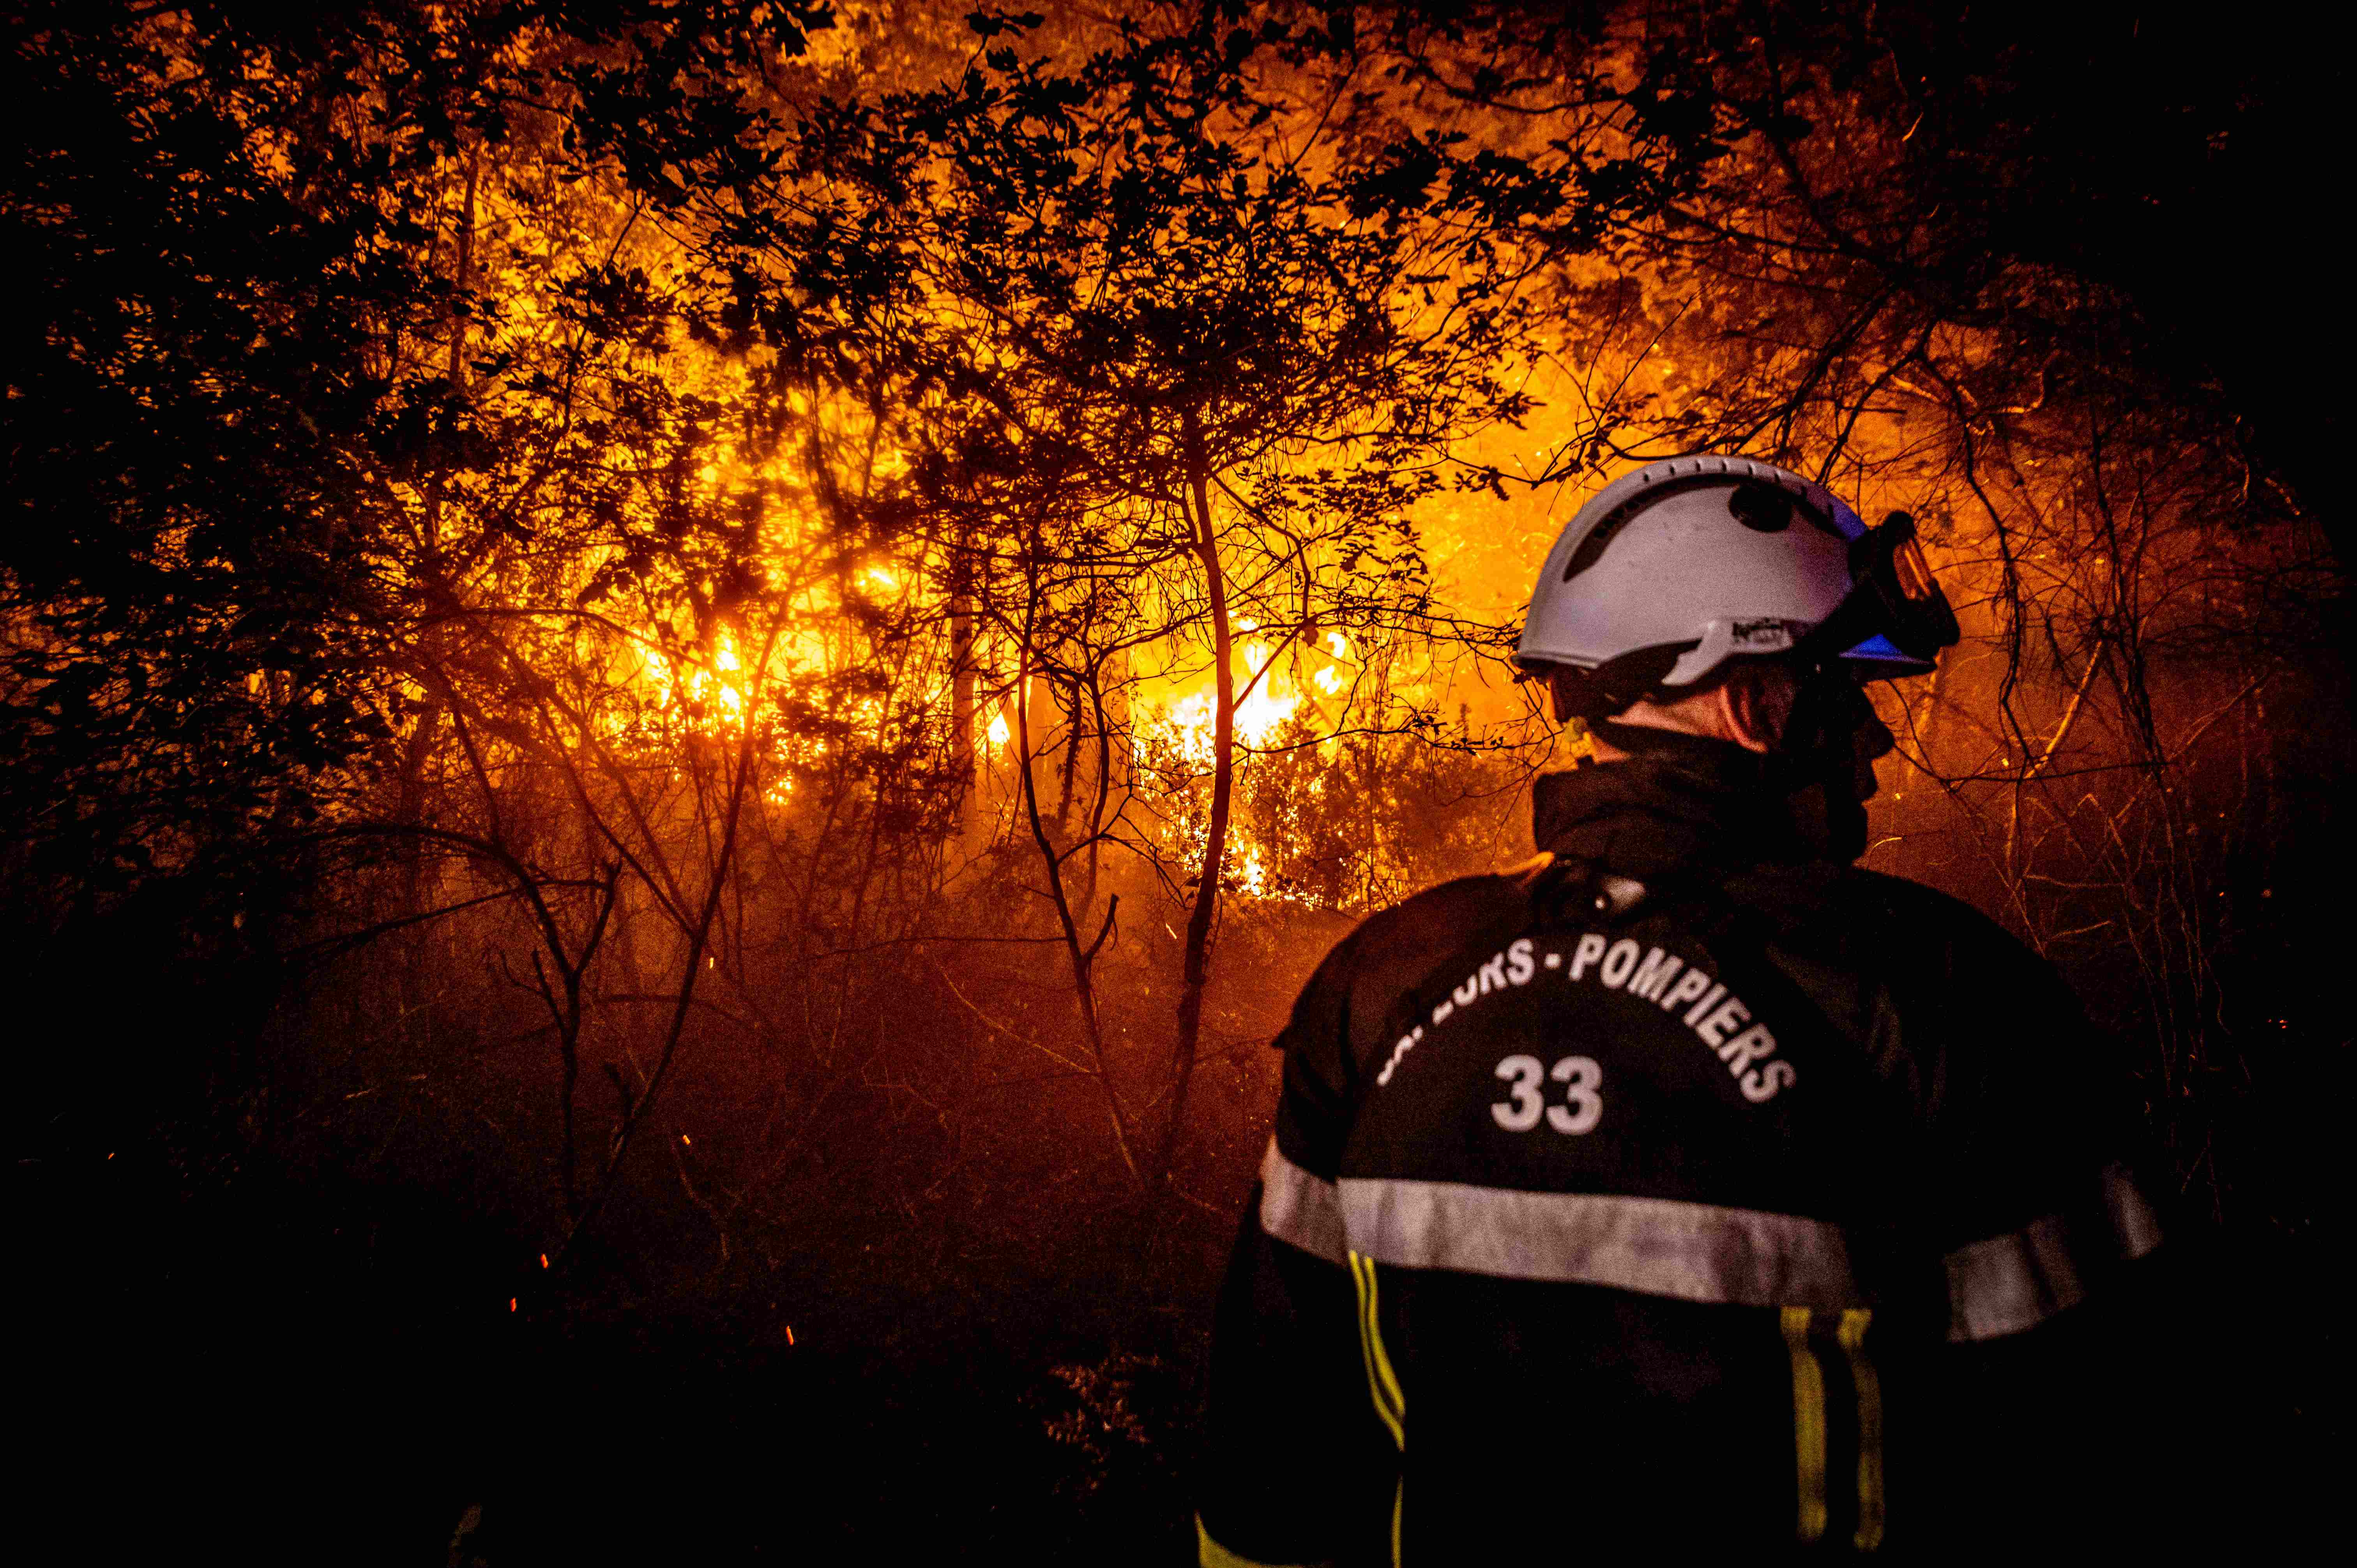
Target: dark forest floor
x,y
291,1371
308,1375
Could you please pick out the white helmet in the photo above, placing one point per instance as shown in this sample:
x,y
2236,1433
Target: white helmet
x,y
1670,571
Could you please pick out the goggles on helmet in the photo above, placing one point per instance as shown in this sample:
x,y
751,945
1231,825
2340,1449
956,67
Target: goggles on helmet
x,y
1895,612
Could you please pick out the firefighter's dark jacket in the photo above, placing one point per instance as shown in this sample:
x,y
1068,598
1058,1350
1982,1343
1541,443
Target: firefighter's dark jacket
x,y
1678,1189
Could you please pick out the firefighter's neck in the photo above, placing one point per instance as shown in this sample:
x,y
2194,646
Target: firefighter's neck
x,y
1748,709
1826,803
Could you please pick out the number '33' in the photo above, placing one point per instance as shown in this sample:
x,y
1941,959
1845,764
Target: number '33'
x,y
1583,1105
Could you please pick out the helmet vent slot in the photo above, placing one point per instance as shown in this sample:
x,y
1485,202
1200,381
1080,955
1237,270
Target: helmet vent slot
x,y
1590,549
1763,508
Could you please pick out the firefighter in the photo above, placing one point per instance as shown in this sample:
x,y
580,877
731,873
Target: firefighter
x,y
1687,1186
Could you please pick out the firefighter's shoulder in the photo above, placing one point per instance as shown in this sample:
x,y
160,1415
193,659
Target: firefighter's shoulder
x,y
1426,925
1894,939
1389,950
1939,958
1871,915
1336,1023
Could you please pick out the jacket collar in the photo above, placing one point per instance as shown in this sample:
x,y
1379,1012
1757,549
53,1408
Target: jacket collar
x,y
1682,803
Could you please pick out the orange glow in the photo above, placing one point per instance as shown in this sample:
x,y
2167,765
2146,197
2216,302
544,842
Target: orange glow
x,y
713,696
1260,713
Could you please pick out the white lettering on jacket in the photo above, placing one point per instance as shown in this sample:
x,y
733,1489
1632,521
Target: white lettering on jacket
x,y
1718,1018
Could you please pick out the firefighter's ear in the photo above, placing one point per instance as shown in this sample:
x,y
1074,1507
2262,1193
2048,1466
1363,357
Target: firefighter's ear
x,y
1755,704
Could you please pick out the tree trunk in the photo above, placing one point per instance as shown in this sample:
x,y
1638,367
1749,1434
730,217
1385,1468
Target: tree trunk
x,y
961,689
1083,957
423,941
1215,839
